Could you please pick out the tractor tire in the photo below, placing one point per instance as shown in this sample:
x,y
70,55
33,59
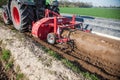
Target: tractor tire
x,y
5,16
22,16
51,38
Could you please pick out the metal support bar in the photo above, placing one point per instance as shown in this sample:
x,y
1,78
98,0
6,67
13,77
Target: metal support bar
x,y
55,25
73,21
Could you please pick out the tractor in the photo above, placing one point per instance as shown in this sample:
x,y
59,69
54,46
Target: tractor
x,y
40,17
23,12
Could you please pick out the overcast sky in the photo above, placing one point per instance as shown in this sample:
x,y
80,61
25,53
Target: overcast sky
x,y
102,2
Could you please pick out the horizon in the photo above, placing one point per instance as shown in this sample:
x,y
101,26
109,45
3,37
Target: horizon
x,y
97,3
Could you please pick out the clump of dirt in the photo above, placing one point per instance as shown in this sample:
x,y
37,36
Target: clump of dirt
x,y
3,74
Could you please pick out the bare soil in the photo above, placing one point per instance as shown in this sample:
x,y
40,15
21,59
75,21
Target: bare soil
x,y
99,51
3,75
32,60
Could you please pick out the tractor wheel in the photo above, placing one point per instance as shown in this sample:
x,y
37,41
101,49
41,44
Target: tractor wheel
x,y
5,16
51,38
22,16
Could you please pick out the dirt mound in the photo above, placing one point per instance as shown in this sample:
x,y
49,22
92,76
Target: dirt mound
x,y
99,51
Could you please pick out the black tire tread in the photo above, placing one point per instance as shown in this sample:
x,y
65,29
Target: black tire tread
x,y
8,20
26,15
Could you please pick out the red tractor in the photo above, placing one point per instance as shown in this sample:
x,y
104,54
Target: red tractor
x,y
23,12
43,21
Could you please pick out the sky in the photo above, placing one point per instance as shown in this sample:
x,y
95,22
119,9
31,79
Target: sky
x,y
102,2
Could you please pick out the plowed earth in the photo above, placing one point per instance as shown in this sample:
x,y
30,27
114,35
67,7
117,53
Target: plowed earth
x,y
99,51
97,54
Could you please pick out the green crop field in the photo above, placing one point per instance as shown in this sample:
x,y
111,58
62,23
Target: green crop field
x,y
113,13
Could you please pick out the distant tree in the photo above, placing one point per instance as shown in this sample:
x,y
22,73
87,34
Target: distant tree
x,y
67,3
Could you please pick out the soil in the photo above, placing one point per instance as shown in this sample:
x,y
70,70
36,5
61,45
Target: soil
x,y
101,52
3,75
32,60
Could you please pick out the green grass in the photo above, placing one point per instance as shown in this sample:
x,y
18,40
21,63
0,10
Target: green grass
x,y
20,76
5,55
71,65
75,68
9,65
113,13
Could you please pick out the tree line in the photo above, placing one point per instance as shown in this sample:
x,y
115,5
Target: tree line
x,y
67,3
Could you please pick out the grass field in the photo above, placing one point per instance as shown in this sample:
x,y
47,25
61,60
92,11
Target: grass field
x,y
113,13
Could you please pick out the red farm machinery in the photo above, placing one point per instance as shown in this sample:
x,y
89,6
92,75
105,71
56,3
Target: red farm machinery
x,y
42,19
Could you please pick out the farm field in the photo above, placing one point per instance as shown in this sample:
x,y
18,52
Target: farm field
x,y
100,59
113,13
